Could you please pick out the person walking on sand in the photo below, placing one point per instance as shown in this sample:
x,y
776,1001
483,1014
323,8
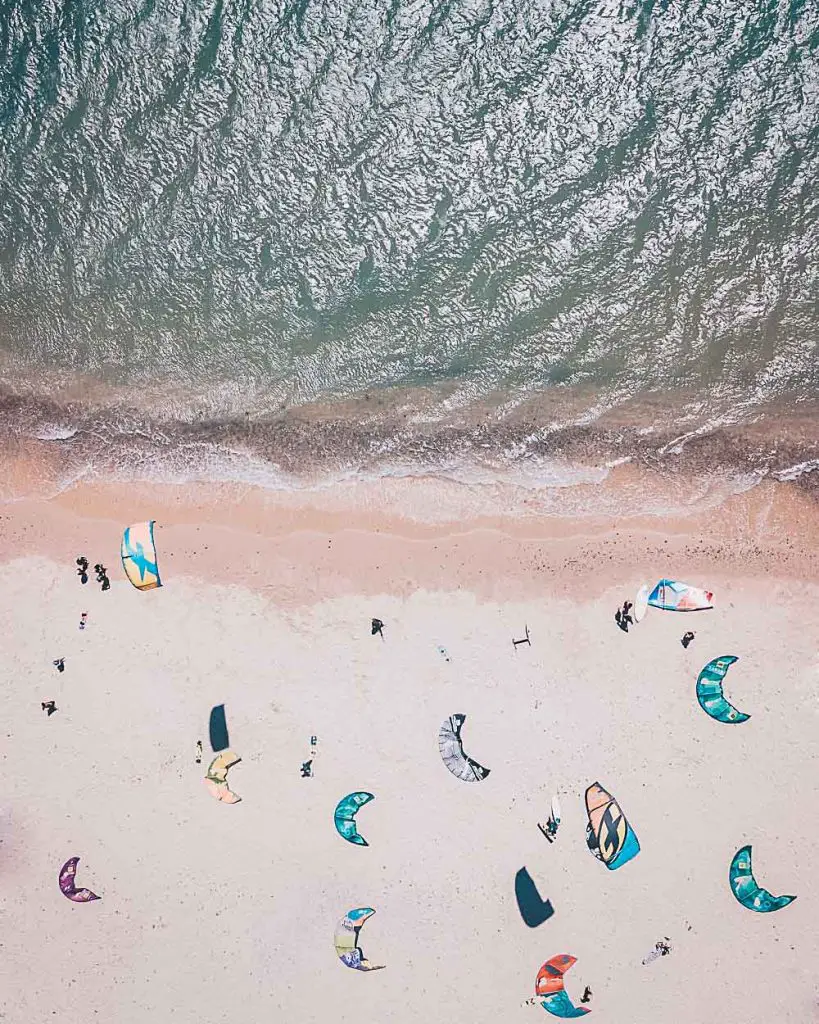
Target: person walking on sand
x,y
49,707
687,638
587,994
59,664
377,627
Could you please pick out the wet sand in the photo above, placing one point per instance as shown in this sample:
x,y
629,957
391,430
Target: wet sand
x,y
210,910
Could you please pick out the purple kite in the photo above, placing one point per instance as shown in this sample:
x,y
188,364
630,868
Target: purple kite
x,y
67,888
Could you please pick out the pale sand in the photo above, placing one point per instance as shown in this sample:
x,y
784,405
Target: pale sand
x,y
212,912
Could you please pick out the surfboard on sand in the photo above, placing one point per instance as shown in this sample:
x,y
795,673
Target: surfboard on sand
x,y
641,602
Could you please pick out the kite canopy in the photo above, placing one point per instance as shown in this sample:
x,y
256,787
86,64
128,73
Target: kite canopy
x,y
66,881
672,596
139,556
549,985
533,909
217,729
344,817
608,833
346,940
452,751
216,778
746,890
709,691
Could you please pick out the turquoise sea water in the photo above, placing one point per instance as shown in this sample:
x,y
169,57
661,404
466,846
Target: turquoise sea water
x,y
517,228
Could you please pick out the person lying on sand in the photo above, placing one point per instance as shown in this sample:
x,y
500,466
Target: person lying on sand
x,y
48,706
59,664
82,570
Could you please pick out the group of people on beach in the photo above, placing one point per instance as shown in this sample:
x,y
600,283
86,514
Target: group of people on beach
x,y
624,619
99,569
105,584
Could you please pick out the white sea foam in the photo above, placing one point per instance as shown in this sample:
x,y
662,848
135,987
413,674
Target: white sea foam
x,y
794,472
55,432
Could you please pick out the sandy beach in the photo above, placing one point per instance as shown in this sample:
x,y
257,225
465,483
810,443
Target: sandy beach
x,y
210,910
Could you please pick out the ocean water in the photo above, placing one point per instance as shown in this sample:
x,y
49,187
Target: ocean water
x,y
302,240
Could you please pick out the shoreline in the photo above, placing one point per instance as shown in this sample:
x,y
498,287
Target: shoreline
x,y
561,451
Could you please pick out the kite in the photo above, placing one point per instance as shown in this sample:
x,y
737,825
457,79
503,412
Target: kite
x,y
216,778
344,817
549,984
346,940
744,887
533,909
139,556
608,835
709,691
672,596
67,887
218,730
452,751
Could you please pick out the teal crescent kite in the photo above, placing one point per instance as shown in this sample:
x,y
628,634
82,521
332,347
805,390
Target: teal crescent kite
x,y
744,887
709,691
344,817
559,1005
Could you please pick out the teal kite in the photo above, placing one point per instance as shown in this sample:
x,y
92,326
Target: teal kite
x,y
745,888
344,817
709,691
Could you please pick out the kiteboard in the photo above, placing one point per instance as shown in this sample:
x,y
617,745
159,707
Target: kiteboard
x,y
551,827
641,602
